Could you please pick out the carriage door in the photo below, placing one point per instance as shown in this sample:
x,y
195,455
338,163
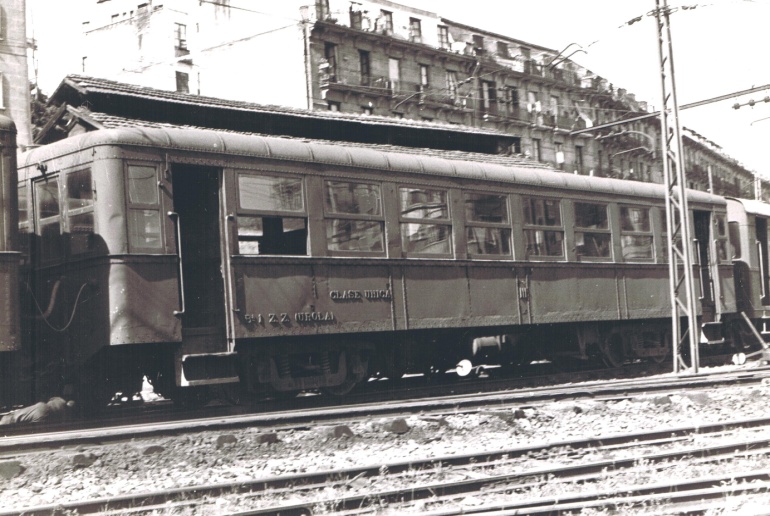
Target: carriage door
x,y
761,227
703,253
196,210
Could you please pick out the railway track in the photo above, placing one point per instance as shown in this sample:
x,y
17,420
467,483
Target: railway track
x,y
412,485
319,411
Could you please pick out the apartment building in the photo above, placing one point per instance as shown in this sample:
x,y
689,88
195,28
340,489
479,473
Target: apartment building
x,y
388,59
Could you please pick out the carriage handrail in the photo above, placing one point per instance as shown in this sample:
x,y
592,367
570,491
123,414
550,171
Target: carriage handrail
x,y
178,226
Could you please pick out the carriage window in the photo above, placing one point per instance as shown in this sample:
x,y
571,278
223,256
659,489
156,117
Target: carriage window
x,y
48,209
23,210
272,217
720,237
635,233
543,228
144,226
266,193
734,231
425,224
487,224
354,218
80,217
142,185
25,226
597,241
664,234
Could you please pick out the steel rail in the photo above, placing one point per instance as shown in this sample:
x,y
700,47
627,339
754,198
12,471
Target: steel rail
x,y
598,390
322,479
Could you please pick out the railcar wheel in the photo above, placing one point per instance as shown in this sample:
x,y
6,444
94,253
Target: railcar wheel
x,y
354,374
612,351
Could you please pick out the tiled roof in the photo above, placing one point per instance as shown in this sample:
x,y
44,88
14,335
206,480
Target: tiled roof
x,y
85,84
107,121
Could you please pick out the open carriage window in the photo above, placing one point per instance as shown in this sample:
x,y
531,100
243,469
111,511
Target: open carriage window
x,y
271,216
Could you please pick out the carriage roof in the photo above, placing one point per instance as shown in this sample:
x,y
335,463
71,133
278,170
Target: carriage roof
x,y
429,162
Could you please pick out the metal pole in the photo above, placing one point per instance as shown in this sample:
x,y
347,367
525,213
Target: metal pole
x,y
681,281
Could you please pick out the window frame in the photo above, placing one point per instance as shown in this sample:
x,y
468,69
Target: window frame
x,y
531,226
650,232
69,212
594,231
140,206
329,215
447,222
58,252
253,213
503,226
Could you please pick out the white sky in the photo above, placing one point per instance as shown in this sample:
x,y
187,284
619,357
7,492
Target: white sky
x,y
720,47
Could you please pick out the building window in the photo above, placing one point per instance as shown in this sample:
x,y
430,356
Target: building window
x,y
322,11
330,66
180,35
559,155
415,30
635,233
424,77
271,215
426,228
478,44
543,228
488,97
443,37
384,22
502,50
354,217
488,228
512,100
364,67
182,82
579,159
333,106
394,73
451,84
594,240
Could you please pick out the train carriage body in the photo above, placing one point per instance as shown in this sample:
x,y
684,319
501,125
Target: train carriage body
x,y
199,257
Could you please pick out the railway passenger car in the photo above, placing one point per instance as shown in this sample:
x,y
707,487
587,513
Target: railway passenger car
x,y
200,257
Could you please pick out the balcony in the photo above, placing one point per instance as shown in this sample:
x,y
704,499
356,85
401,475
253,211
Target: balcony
x,y
360,83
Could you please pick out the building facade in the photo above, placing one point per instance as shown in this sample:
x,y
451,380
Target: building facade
x,y
383,58
14,76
